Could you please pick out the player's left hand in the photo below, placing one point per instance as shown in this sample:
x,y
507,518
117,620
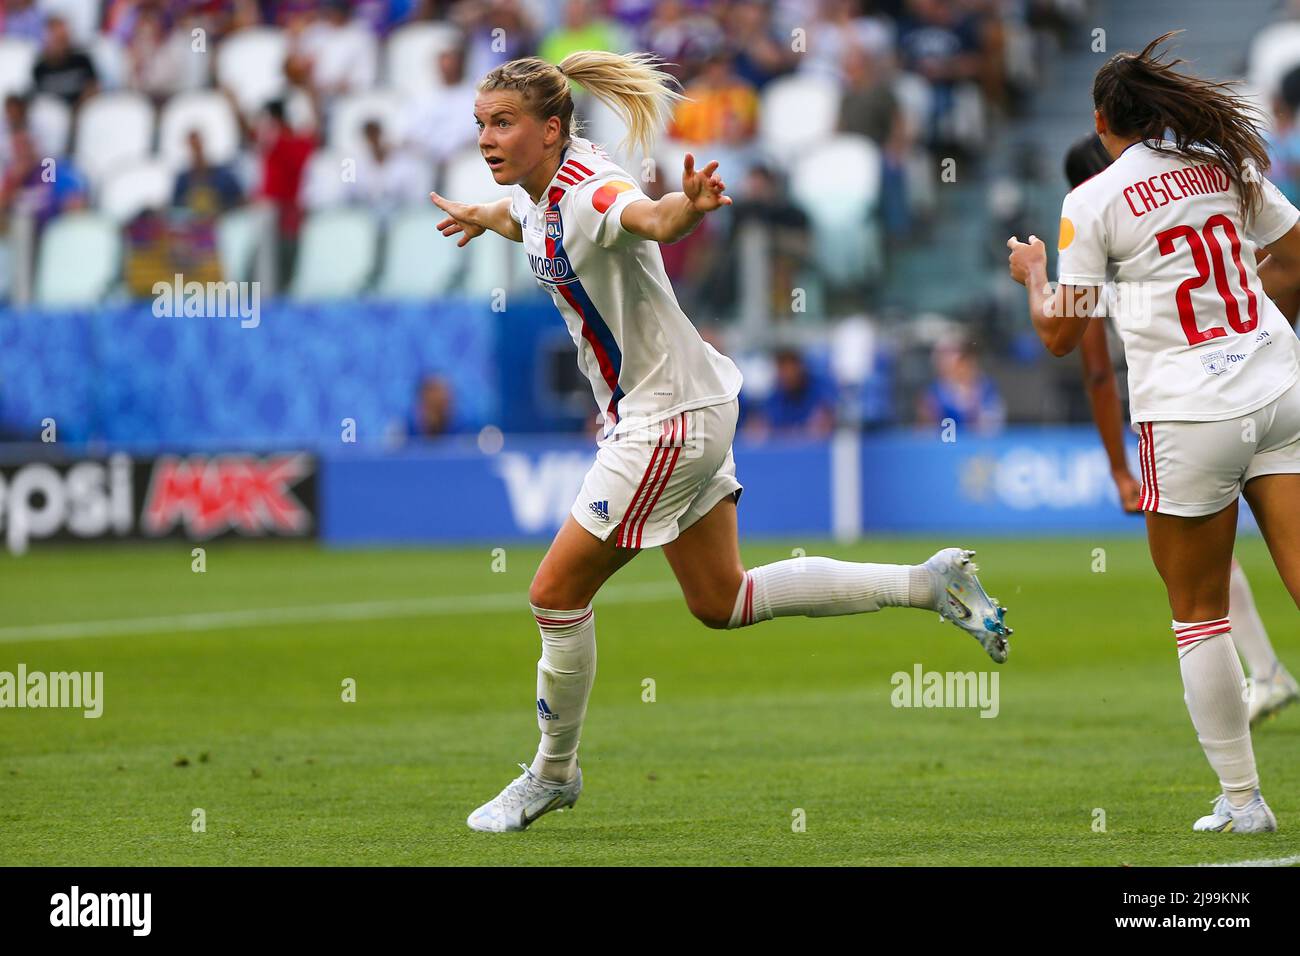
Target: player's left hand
x,y
703,187
1024,256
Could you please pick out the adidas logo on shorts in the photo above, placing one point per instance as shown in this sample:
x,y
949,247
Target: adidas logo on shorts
x,y
600,509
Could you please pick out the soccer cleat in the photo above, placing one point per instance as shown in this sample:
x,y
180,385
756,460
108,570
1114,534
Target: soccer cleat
x,y
1272,694
1254,817
522,802
961,599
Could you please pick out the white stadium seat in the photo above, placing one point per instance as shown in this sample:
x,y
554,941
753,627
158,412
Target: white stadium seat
x,y
79,260
418,262
250,62
82,16
134,187
1274,52
207,111
467,178
351,112
109,59
50,120
112,128
322,180
17,57
838,185
796,111
336,254
410,53
238,233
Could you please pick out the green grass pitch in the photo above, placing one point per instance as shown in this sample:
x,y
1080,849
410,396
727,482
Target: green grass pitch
x,y
243,717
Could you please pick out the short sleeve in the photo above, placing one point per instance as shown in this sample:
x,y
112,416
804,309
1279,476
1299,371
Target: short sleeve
x,y
516,211
1082,247
1276,215
599,207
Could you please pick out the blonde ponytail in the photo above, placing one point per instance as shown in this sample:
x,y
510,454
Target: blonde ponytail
x,y
629,84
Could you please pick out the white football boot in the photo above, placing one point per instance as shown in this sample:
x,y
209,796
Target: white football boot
x,y
522,802
960,598
1254,817
1273,693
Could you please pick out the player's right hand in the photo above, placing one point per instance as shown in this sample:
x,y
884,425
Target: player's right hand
x,y
1130,491
462,219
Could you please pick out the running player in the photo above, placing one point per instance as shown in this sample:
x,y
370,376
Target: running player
x,y
664,474
1213,365
1273,687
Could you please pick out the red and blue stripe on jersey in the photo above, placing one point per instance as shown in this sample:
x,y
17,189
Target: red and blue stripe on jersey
x,y
595,330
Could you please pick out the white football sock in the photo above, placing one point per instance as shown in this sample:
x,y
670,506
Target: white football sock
x,y
823,587
565,673
1213,687
1248,632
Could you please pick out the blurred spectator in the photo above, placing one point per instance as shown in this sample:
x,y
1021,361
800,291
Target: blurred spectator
x,y
942,43
719,116
441,122
584,29
13,121
961,391
678,36
155,56
203,190
41,186
62,70
801,403
284,154
341,52
870,108
1284,138
840,26
23,19
434,409
495,32
759,53
786,234
387,179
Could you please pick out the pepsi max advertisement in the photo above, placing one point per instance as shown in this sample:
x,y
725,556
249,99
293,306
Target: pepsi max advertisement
x,y
196,497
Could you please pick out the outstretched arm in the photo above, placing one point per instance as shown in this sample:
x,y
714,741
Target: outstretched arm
x,y
1060,316
1107,413
676,214
470,221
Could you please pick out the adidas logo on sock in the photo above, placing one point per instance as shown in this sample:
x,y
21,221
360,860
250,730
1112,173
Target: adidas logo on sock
x,y
600,509
544,711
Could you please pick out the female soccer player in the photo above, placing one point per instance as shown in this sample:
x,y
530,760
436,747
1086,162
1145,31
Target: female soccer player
x,y
1213,365
1273,686
664,474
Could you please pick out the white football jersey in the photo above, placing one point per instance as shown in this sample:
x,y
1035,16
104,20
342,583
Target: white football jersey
x,y
644,358
1202,340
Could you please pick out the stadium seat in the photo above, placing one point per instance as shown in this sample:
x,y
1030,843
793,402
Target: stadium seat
x,y
50,120
796,111
488,265
112,128
336,254
110,61
135,186
409,56
915,100
204,110
467,178
1274,52
250,63
238,234
838,184
322,181
82,16
418,262
17,56
351,113
79,260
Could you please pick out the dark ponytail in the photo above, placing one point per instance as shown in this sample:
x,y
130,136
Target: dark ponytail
x,y
1139,94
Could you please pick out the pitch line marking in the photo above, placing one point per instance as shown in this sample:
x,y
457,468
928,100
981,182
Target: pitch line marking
x,y
1277,861
500,602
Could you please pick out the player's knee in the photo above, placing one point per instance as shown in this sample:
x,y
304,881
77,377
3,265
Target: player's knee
x,y
550,594
713,607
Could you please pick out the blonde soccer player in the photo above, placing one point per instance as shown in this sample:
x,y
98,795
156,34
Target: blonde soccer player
x,y
1213,365
664,475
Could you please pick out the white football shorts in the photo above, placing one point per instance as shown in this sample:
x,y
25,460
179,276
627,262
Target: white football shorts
x,y
1199,468
650,484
